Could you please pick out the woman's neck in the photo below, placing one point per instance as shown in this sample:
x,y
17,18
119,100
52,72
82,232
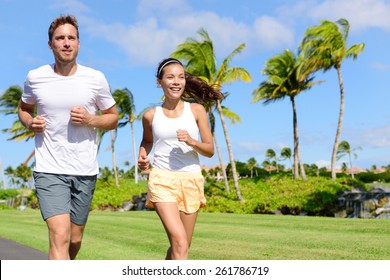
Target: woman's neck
x,y
173,105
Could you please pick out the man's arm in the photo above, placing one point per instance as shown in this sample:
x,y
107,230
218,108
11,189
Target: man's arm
x,y
107,120
26,117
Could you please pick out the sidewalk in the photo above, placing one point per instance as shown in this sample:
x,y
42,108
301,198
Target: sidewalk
x,y
11,250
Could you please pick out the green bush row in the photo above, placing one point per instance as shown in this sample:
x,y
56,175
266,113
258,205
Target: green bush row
x,y
317,196
277,194
8,193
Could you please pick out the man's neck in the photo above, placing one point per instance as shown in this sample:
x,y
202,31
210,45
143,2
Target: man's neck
x,y
65,69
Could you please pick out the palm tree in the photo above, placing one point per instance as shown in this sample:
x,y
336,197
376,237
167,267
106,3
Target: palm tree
x,y
113,133
201,61
345,149
252,165
3,183
324,47
99,137
222,166
286,154
9,103
271,155
267,165
126,109
285,80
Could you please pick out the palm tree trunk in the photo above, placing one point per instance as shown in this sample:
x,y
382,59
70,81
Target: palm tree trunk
x,y
297,151
339,125
29,158
291,164
2,175
135,154
113,157
227,188
229,147
350,164
295,131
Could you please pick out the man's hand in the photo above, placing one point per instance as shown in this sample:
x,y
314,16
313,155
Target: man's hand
x,y
38,124
79,116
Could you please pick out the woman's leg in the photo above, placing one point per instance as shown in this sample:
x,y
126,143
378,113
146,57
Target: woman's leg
x,y
175,229
189,221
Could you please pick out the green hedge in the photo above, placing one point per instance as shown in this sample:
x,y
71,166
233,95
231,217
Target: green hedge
x,y
108,196
316,196
277,194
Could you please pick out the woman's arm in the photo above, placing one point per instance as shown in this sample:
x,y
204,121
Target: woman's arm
x,y
205,147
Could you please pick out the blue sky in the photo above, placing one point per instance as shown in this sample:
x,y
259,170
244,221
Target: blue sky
x,y
126,40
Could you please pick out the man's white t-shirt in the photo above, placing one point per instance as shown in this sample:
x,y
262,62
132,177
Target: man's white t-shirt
x,y
64,148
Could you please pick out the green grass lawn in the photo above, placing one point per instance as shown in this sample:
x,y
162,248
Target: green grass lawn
x,y
139,235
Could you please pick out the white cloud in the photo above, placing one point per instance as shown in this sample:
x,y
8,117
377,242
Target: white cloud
x,y
361,14
160,28
272,34
251,147
322,163
377,137
70,6
381,66
147,8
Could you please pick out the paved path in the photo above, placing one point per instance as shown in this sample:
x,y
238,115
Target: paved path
x,y
11,250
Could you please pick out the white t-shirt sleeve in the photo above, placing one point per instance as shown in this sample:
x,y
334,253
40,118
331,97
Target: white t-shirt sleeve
x,y
104,99
28,96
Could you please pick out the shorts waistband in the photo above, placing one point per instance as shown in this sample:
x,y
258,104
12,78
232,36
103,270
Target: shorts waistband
x,y
177,174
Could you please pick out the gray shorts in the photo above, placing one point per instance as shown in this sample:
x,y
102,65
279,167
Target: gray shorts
x,y
65,194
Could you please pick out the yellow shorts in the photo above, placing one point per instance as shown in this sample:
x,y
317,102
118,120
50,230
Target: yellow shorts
x,y
185,189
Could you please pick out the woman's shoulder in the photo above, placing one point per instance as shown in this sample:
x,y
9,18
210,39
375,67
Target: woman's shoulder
x,y
198,111
196,107
149,112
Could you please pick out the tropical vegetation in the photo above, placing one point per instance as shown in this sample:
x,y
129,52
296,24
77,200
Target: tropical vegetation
x,y
324,47
268,187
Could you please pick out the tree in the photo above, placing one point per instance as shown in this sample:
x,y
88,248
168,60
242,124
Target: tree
x,y
271,156
324,47
285,80
345,149
267,166
21,176
9,103
222,166
126,110
201,61
99,137
286,154
252,165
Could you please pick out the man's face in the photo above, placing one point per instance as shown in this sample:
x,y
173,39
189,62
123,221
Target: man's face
x,y
65,44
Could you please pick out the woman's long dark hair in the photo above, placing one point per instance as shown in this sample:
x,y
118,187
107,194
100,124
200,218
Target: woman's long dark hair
x,y
196,89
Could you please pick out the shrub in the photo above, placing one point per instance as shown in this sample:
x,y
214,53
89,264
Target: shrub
x,y
279,194
8,193
108,196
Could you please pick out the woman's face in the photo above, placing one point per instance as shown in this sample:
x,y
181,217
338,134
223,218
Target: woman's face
x,y
173,81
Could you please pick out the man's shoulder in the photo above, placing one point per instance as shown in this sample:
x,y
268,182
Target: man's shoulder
x,y
42,69
89,70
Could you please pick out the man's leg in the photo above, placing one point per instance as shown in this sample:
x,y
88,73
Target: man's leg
x,y
59,236
76,237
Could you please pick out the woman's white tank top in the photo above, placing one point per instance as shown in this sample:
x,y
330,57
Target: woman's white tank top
x,y
169,153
